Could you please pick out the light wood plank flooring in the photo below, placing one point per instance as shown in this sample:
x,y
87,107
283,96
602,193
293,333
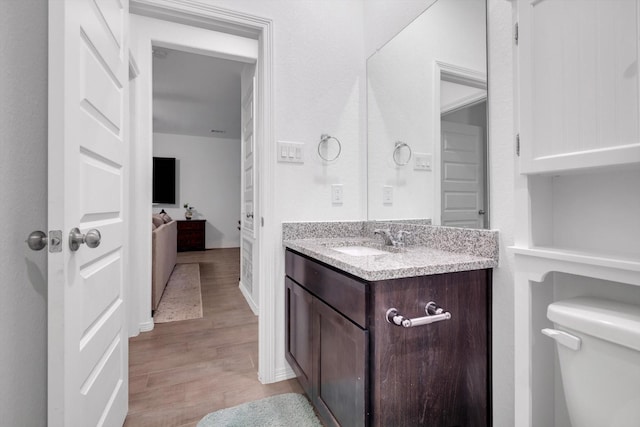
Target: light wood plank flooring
x,y
181,371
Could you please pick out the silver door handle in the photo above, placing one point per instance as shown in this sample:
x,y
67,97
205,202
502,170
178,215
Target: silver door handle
x,y
481,212
37,240
91,239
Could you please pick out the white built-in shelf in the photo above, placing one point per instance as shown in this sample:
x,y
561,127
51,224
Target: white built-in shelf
x,y
598,159
539,261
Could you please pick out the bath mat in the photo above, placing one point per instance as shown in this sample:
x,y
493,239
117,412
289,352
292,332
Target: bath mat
x,y
283,410
181,299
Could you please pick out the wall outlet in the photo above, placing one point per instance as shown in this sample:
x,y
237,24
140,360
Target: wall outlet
x,y
422,162
290,152
387,195
336,194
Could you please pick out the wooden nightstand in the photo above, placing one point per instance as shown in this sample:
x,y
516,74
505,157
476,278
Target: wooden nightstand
x,y
191,235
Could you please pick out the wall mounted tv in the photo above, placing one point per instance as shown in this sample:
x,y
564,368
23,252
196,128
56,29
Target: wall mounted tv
x,y
164,180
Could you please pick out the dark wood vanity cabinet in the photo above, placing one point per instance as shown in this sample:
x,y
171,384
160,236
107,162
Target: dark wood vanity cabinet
x,y
325,348
360,370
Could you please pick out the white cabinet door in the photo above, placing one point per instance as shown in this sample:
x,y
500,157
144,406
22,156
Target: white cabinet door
x,y
88,107
578,73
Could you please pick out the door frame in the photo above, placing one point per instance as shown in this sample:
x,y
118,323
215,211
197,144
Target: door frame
x,y
201,15
467,76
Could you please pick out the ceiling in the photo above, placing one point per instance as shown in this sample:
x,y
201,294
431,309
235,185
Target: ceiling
x,y
195,94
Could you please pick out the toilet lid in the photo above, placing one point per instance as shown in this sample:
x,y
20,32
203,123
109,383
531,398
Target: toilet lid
x,y
608,320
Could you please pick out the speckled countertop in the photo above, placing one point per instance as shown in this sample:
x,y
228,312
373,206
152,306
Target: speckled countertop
x,y
430,249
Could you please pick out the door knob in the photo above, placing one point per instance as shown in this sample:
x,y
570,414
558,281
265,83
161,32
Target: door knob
x,y
37,240
91,239
481,212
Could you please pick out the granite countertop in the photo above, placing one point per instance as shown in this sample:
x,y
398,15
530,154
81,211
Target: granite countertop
x,y
409,261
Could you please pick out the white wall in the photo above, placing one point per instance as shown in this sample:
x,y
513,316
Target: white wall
x,y
23,196
502,181
319,88
207,177
597,213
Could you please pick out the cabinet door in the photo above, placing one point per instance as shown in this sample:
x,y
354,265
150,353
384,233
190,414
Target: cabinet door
x,y
298,333
340,375
578,73
435,375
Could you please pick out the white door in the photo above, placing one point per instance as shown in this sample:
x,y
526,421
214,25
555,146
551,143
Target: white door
x,y
88,107
248,234
462,175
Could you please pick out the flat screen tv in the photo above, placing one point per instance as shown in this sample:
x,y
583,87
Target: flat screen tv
x,y
164,180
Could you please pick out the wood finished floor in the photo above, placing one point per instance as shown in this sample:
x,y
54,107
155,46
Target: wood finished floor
x,y
181,371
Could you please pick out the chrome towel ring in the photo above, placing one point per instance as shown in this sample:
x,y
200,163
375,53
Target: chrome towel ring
x,y
324,138
397,159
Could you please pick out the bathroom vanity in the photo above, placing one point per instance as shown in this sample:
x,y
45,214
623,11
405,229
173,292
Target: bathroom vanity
x,y
354,358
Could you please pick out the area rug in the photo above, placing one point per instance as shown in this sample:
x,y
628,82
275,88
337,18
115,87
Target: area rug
x,y
181,299
283,410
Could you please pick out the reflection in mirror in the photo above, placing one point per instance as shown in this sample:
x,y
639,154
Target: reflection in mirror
x,y
427,90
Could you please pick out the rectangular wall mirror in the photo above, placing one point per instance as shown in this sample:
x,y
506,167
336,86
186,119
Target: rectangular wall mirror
x,y
427,119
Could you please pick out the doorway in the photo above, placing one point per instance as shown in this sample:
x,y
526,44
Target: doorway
x,y
199,39
198,125
460,147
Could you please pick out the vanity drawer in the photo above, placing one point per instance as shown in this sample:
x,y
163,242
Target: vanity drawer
x,y
345,294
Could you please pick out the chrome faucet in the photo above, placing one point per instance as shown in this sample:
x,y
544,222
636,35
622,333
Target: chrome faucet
x,y
388,237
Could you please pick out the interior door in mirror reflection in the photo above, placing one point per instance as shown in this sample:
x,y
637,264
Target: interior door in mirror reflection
x,y
462,175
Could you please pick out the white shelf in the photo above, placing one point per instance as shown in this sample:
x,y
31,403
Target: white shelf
x,y
539,261
621,156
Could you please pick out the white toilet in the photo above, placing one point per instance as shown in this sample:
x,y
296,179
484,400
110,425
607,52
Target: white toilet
x,y
598,344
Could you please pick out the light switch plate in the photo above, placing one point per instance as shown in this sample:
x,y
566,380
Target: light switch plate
x,y
422,161
290,152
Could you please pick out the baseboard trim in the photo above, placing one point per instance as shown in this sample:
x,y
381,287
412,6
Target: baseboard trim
x,y
247,296
284,374
147,326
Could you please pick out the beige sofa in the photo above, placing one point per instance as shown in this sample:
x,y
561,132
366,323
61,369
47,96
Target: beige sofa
x,y
164,254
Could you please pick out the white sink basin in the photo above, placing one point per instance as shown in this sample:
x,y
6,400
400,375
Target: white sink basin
x,y
359,250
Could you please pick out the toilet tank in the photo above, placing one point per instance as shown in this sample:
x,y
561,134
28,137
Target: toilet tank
x,y
611,321
599,351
